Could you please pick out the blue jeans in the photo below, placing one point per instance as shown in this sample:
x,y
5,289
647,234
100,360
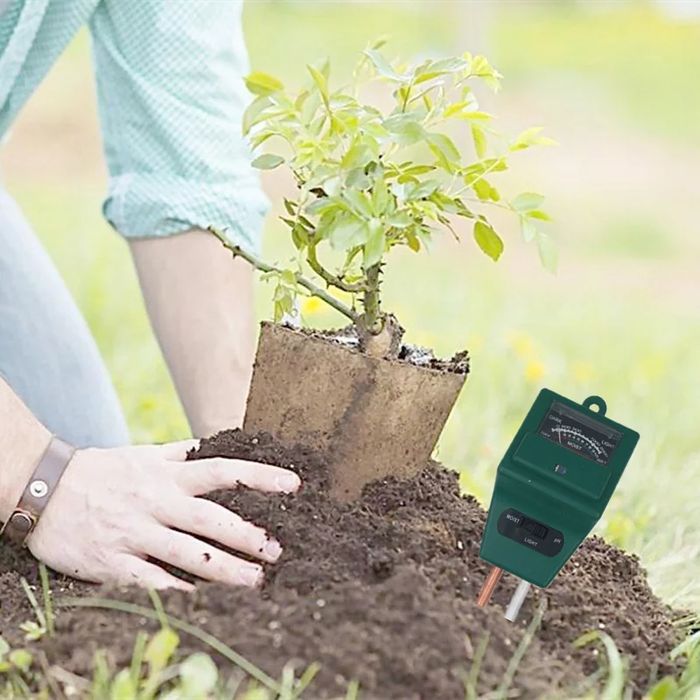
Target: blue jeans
x,y
47,354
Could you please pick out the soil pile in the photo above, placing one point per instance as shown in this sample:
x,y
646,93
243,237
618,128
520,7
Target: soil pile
x,y
381,590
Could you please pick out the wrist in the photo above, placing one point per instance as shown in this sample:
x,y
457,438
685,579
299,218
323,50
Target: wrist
x,y
23,440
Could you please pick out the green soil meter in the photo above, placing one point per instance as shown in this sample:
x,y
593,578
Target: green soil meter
x,y
552,486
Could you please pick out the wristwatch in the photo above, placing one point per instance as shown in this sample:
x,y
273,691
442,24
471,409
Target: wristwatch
x,y
38,491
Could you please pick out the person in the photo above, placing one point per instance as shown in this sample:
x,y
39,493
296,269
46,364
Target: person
x,y
171,97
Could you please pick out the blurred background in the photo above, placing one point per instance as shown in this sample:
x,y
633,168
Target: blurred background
x,y
616,85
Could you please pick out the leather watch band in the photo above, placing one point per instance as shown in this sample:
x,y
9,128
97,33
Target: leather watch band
x,y
38,490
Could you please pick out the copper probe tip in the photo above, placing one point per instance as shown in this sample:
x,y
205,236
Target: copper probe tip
x,y
489,586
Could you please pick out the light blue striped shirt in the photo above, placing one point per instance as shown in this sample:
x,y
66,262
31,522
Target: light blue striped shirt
x,y
171,95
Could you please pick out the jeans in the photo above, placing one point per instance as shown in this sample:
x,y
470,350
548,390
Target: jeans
x,y
47,354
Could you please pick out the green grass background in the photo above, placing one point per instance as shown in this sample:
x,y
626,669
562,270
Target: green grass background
x,y
616,85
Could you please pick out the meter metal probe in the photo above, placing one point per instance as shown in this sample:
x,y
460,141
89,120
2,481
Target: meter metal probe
x,y
552,487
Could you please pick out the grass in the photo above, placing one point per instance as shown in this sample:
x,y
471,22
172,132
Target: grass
x,y
159,671
621,319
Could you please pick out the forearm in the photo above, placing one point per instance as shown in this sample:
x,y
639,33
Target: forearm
x,y
200,303
23,439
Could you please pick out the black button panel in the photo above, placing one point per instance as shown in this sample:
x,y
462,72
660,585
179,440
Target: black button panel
x,y
530,533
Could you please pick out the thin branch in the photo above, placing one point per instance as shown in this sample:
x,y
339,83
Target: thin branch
x,y
328,277
313,290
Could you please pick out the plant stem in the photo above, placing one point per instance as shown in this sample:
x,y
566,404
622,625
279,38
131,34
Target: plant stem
x,y
313,290
372,317
48,607
328,277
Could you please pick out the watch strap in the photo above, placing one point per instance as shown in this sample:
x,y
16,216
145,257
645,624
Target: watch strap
x,y
38,491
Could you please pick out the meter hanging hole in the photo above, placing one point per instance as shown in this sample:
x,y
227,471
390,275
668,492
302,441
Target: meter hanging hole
x,y
595,404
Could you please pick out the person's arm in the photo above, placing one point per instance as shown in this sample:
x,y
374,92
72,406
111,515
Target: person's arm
x,y
22,442
171,95
200,302
116,509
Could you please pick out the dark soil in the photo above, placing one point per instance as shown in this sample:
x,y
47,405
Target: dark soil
x,y
381,590
412,354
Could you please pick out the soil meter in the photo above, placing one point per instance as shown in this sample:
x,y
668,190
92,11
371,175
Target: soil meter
x,y
552,486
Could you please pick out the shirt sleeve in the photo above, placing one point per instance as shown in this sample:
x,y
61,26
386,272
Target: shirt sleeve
x,y
171,97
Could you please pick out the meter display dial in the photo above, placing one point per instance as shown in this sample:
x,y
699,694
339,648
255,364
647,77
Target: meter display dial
x,y
579,433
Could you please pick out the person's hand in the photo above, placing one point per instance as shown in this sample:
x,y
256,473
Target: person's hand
x,y
113,508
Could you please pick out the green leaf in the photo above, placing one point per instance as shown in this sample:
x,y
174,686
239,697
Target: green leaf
x,y
485,191
454,109
347,232
475,116
375,246
549,253
462,209
528,228
406,127
4,647
161,648
310,108
267,161
527,201
412,241
323,205
380,197
358,179
444,202
418,169
666,689
399,219
445,145
288,278
615,682
434,69
488,240
260,83
321,81
489,165
123,686
358,155
539,214
359,202
199,676
300,237
531,137
32,630
481,68
422,189
383,67
21,659
479,138
251,116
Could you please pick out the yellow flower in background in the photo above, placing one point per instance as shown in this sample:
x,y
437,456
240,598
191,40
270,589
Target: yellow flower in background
x,y
618,529
583,371
522,344
534,370
312,306
651,367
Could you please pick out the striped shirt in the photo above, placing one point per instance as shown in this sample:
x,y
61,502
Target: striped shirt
x,y
171,96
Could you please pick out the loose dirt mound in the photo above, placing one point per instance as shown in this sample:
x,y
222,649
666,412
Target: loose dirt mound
x,y
383,591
